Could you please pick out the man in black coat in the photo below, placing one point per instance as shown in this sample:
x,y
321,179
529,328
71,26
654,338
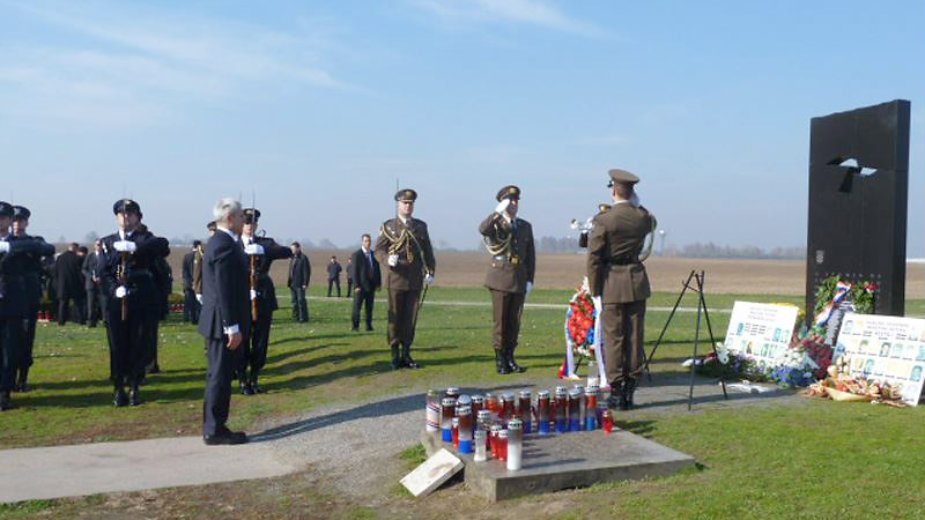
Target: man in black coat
x,y
190,303
16,256
368,279
69,284
262,252
225,318
300,272
334,270
134,301
95,302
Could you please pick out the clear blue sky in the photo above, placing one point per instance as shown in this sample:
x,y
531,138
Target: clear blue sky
x,y
319,107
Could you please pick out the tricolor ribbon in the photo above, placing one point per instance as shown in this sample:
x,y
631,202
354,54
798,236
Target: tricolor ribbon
x,y
841,290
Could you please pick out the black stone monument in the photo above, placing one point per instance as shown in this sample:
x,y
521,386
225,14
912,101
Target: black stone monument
x,y
858,194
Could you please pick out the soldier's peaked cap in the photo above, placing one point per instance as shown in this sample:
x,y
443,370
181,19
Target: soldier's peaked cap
x,y
508,192
406,194
251,215
21,212
5,209
621,177
126,206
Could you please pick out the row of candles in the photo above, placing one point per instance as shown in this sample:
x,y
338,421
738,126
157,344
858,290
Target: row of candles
x,y
496,424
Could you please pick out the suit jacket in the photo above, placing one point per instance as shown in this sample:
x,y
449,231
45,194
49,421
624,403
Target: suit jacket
x,y
266,291
334,270
366,275
16,291
197,272
411,243
614,270
300,271
90,267
140,278
189,263
67,275
515,265
225,291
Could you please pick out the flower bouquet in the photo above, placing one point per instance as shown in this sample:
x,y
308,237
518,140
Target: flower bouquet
x,y
582,333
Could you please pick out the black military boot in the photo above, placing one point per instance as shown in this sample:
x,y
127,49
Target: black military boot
x,y
254,385
5,402
396,358
513,364
616,399
406,360
119,398
134,395
629,388
501,364
22,384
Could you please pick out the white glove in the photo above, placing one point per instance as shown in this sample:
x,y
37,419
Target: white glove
x,y
124,246
529,287
4,247
254,249
253,294
502,206
199,298
429,279
121,291
393,260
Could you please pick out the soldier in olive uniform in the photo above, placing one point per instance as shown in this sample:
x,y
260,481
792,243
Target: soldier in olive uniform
x,y
17,255
509,239
404,249
134,302
261,251
618,278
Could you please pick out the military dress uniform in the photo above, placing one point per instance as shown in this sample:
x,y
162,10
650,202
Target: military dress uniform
x,y
33,273
410,241
129,283
254,355
513,264
15,253
616,275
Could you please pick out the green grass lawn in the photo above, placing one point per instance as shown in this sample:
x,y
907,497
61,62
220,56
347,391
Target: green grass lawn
x,y
815,459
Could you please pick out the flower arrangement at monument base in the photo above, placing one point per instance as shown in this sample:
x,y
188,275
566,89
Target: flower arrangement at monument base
x,y
840,386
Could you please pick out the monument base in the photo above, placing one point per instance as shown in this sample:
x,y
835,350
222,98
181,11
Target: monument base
x,y
572,460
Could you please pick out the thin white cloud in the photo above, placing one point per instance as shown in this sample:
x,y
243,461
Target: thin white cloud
x,y
534,12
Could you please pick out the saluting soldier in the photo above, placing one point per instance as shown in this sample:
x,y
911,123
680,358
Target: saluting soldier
x,y
134,302
404,248
617,276
509,239
261,251
17,258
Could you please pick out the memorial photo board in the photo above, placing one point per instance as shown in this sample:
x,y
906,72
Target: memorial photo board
x,y
761,331
885,348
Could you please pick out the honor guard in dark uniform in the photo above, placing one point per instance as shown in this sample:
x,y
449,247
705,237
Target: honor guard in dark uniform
x,y
403,249
509,240
618,277
18,255
261,251
133,299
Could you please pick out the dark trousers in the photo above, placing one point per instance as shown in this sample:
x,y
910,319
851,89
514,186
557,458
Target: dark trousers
x,y
363,298
64,305
507,308
349,287
332,282
623,325
254,355
403,307
129,345
28,339
191,306
221,365
151,340
11,342
95,305
299,304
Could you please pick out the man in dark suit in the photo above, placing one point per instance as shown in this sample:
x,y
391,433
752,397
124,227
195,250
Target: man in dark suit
x,y
190,303
509,239
368,279
225,318
95,302
300,272
15,261
133,298
618,280
334,270
69,285
262,252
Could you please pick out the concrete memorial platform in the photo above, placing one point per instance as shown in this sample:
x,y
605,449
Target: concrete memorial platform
x,y
563,461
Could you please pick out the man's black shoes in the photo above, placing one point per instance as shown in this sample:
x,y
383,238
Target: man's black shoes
x,y
227,437
120,398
